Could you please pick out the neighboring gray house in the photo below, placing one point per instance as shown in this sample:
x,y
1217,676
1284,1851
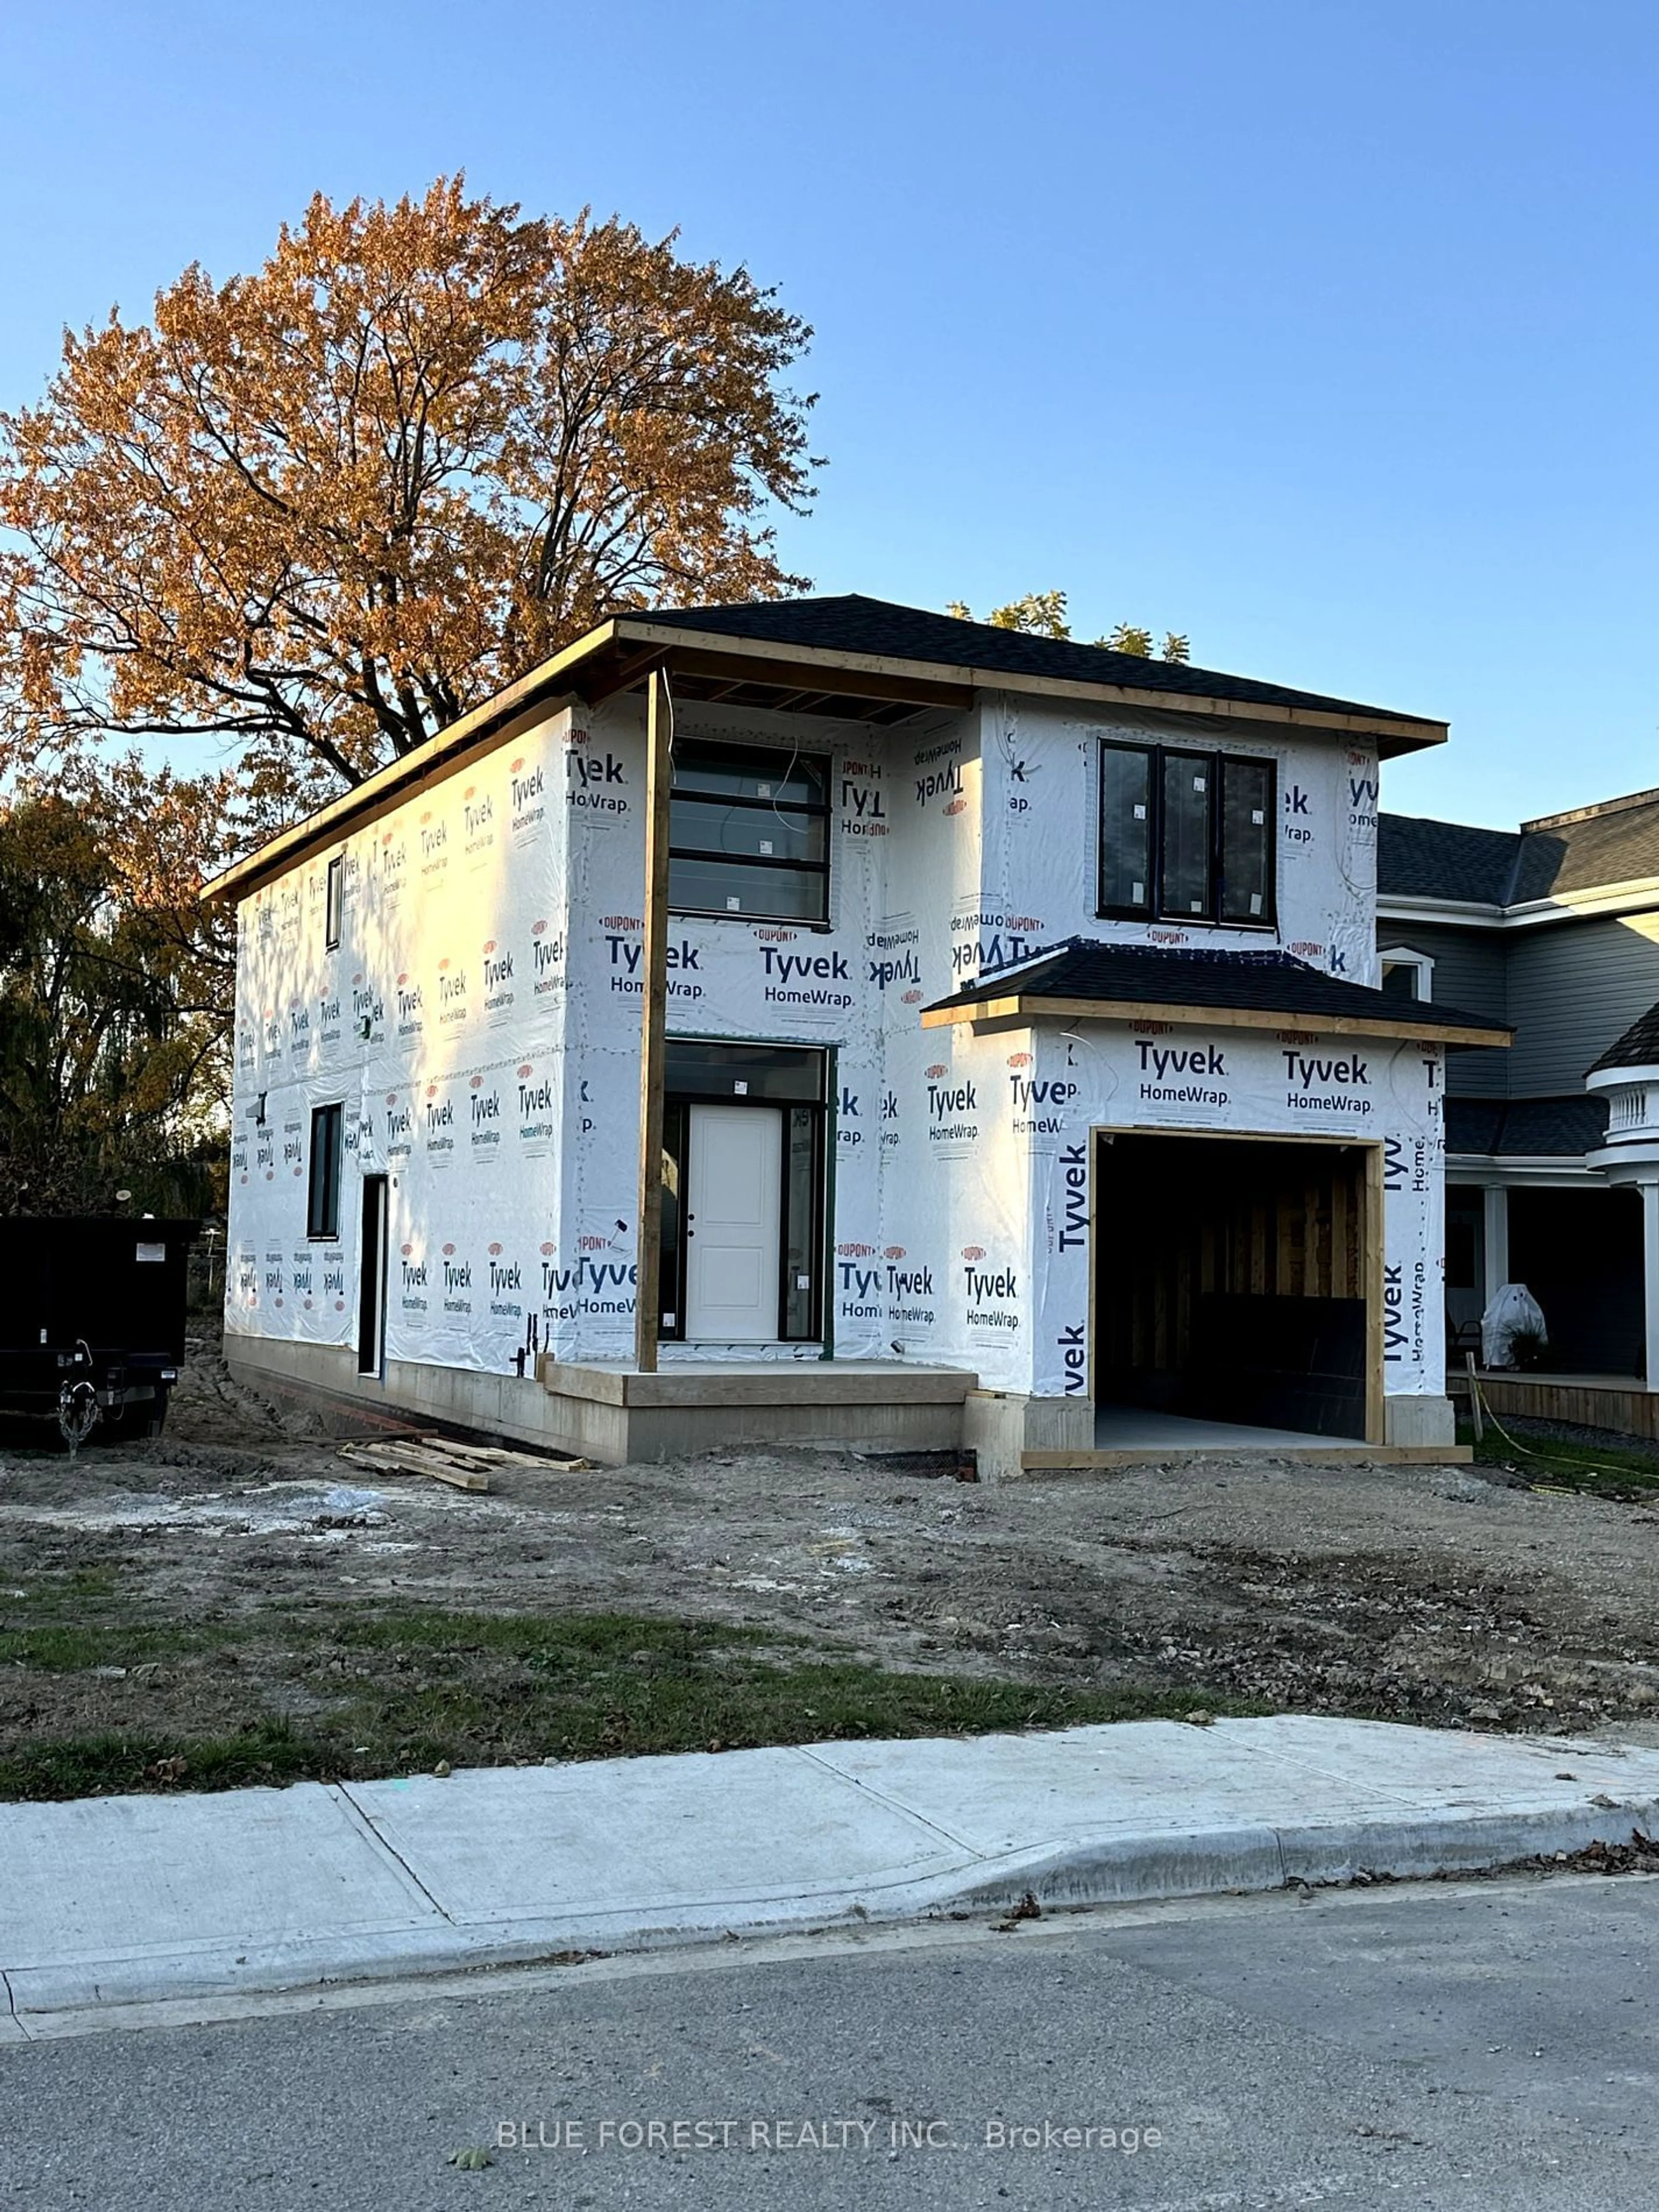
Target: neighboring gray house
x,y
1552,928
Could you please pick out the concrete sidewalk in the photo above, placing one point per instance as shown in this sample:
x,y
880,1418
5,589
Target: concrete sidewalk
x,y
113,1901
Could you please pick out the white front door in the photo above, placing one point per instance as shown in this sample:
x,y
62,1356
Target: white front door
x,y
734,1213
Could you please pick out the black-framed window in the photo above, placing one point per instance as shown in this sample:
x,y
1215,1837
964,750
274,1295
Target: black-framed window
x,y
323,1197
334,903
749,833
696,1067
1187,835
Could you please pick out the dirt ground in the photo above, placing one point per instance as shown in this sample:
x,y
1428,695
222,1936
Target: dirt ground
x,y
1442,1595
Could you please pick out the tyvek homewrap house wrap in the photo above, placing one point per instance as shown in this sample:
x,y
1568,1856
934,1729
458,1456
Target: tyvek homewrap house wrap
x,y
895,1056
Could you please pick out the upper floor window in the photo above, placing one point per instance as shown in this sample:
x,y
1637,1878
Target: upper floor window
x,y
334,903
749,833
1187,837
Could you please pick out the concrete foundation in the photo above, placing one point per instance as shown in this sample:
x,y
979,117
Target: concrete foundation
x,y
615,1414
326,1375
999,1427
1419,1421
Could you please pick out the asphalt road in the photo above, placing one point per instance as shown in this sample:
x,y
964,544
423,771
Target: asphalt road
x,y
1489,2046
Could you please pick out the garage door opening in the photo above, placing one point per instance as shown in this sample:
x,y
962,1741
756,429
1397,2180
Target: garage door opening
x,y
1237,1281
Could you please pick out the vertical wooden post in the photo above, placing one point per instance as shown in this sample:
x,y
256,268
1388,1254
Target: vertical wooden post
x,y
653,1019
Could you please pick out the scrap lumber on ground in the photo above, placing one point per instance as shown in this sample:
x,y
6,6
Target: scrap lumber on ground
x,y
498,1455
463,1466
403,1458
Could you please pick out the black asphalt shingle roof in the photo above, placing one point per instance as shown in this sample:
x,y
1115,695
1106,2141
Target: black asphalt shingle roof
x,y
1418,858
1526,1129
1638,1047
853,624
1263,982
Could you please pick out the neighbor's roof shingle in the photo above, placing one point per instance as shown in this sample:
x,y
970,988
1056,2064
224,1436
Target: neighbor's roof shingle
x,y
1638,1047
1526,1129
1421,858
1615,845
853,624
1263,982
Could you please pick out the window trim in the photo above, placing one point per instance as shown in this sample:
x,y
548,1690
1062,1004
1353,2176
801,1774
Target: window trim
x,y
334,904
1406,955
323,1192
815,809
1154,909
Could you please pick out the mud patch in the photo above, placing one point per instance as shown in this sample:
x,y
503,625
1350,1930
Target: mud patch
x,y
1430,1594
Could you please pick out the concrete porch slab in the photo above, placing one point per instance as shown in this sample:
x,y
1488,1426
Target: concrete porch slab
x,y
614,1413
758,1382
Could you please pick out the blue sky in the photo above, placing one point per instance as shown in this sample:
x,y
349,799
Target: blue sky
x,y
1325,333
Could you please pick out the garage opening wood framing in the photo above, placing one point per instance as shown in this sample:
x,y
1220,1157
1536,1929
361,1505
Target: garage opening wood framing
x,y
1239,1277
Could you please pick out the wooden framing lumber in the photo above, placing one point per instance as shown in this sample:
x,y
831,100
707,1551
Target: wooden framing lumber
x,y
1018,1010
653,1019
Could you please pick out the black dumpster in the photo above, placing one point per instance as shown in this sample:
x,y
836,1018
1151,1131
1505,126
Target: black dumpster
x,y
95,1301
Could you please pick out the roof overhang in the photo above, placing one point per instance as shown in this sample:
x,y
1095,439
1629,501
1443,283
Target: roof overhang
x,y
1640,894
619,653
1015,1009
1615,1079
1565,1169
1393,733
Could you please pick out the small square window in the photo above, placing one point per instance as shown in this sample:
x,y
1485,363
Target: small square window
x,y
1406,974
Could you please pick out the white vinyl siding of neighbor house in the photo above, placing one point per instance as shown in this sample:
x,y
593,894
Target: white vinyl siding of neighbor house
x,y
1573,988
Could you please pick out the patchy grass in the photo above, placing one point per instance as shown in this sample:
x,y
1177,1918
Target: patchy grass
x,y
1624,1472
397,1691
75,1623
64,1650
111,1763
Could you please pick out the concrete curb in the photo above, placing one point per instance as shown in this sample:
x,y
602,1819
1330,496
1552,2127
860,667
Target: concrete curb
x,y
1238,1861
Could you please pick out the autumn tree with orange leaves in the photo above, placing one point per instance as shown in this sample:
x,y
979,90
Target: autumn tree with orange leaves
x,y
315,514
307,518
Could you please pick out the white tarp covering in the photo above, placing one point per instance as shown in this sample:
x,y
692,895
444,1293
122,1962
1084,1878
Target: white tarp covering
x,y
1513,1311
481,1020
